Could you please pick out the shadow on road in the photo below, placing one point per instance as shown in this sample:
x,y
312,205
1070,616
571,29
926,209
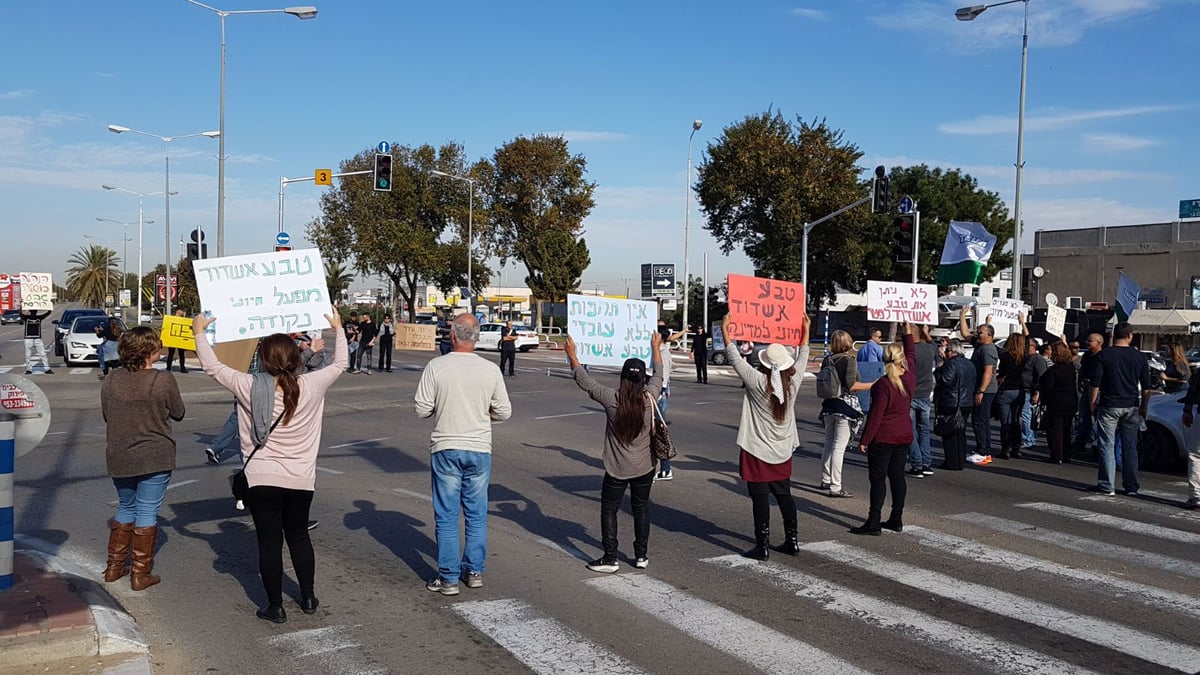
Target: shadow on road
x,y
234,544
399,532
568,535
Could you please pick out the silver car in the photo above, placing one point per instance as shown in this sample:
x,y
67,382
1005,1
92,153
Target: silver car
x,y
1165,442
81,340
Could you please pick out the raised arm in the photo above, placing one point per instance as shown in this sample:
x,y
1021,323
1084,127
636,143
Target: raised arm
x,y
962,324
1024,326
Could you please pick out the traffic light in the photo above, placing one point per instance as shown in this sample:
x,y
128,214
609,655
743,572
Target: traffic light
x,y
902,238
881,195
196,251
279,248
383,172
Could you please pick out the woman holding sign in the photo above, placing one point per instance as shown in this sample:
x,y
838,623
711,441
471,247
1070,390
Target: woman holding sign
x,y
767,437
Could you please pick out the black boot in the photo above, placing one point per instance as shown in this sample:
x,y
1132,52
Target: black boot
x,y
790,545
762,543
871,526
895,522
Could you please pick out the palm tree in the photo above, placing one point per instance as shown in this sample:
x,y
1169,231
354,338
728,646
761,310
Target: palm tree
x,y
94,270
337,278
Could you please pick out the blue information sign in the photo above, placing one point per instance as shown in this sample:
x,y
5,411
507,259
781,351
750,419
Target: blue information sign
x,y
283,239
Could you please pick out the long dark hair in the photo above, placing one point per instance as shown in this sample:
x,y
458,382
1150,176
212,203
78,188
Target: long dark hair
x,y
779,410
631,411
280,357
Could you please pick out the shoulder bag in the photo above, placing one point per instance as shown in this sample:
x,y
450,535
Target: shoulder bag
x,y
238,484
660,436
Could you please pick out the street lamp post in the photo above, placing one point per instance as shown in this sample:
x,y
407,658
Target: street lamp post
x,y
306,12
470,230
124,245
969,14
687,229
141,196
117,129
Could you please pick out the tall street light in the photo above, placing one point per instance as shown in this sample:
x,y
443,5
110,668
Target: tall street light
x,y
687,226
298,12
470,230
166,140
124,245
969,14
141,197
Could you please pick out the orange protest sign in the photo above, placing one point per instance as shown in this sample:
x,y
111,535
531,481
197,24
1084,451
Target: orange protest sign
x,y
766,310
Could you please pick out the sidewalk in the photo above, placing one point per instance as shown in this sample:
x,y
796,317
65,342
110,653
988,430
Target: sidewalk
x,y
56,618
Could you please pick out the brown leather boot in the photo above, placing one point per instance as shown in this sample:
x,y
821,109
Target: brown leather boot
x,y
119,537
143,558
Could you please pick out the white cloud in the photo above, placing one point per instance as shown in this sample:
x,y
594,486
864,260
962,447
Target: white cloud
x,y
811,14
638,198
998,124
999,177
1117,142
15,94
589,136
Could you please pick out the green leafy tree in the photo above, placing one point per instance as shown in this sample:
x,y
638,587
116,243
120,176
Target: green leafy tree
x,y
337,278
717,308
537,198
94,269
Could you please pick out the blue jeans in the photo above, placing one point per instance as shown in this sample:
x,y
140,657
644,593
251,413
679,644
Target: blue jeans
x,y
1028,435
1112,423
228,438
139,498
918,453
1010,402
460,479
664,399
981,421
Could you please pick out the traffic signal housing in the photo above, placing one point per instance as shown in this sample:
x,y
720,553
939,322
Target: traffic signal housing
x,y
902,238
881,193
383,172
197,251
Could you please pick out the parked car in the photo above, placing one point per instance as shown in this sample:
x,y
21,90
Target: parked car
x,y
10,316
489,337
81,340
1164,444
63,324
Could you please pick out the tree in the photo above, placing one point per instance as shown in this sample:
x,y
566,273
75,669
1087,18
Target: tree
x,y
94,269
337,278
538,197
717,308
764,178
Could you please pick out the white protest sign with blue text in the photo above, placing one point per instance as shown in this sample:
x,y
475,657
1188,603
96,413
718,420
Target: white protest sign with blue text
x,y
264,293
609,330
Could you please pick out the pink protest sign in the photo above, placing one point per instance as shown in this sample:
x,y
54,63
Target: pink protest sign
x,y
766,310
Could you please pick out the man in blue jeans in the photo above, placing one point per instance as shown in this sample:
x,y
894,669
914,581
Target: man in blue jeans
x,y
985,358
463,393
1119,408
920,459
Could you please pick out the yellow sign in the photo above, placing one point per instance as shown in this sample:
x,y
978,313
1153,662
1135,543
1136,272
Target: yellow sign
x,y
323,177
418,337
177,333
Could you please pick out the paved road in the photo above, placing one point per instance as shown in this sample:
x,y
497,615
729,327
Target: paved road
x,y
1005,568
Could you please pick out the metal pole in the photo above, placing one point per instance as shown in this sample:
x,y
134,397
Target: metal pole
x,y
221,153
470,238
804,262
916,263
124,254
1016,280
167,234
705,291
687,214
282,183
8,453
138,287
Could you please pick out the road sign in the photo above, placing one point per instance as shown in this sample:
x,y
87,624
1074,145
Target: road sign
x,y
384,147
323,177
906,204
160,284
126,297
1189,208
283,239
658,280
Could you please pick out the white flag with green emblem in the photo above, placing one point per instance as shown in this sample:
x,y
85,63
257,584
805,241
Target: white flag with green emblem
x,y
968,247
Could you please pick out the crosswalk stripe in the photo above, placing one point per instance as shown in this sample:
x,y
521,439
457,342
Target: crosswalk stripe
x,y
1082,544
541,643
1147,506
761,647
1097,631
971,644
1105,520
1173,497
1019,562
333,650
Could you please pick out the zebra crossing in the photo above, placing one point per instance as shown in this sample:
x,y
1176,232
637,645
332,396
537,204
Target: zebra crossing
x,y
965,603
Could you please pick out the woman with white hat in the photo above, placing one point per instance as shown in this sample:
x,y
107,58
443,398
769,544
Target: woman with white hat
x,y
767,437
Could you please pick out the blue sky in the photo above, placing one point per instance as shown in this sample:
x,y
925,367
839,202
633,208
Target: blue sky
x,y
1110,118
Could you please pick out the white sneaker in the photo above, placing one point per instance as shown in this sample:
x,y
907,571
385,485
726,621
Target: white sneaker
x,y
664,475
641,563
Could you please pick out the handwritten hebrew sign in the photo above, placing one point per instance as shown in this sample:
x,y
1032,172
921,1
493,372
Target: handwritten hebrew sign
x,y
1056,320
264,293
417,337
177,333
1004,310
896,301
765,310
37,289
607,331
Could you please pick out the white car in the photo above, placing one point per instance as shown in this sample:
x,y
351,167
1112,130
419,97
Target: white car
x,y
489,337
80,341
1165,442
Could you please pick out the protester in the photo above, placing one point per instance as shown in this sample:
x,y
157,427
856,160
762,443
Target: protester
x,y
1058,390
954,398
628,460
138,402
508,347
1120,371
107,352
1190,401
842,415
984,358
35,349
387,339
463,392
367,330
767,438
1178,372
312,352
1035,366
1085,425
920,458
172,350
664,398
286,429
700,354
872,349
1010,397
888,434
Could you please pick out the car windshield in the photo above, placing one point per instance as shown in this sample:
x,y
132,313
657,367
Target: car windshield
x,y
88,324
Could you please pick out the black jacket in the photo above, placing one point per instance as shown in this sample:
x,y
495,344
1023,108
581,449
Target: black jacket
x,y
1059,389
955,386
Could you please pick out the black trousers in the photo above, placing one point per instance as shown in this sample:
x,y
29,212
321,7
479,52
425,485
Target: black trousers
x,y
362,354
885,465
508,356
954,446
612,493
385,353
761,503
171,351
282,514
701,367
1058,435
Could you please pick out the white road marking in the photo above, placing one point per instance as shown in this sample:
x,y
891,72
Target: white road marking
x,y
760,646
550,417
332,471
350,445
329,646
1147,506
415,495
973,645
1123,524
1019,562
181,483
1166,496
541,643
1097,631
565,547
1082,544
57,433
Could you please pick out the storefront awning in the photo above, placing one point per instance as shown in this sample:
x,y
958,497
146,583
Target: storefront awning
x,y
1163,321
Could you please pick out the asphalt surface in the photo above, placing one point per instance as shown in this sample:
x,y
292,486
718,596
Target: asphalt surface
x,y
1004,568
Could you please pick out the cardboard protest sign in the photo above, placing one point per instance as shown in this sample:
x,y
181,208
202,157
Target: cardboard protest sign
x,y
1004,310
177,333
237,354
1056,320
765,310
261,294
896,301
418,337
37,289
607,331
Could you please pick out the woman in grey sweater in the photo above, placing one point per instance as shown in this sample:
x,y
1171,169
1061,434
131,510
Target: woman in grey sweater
x,y
628,460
